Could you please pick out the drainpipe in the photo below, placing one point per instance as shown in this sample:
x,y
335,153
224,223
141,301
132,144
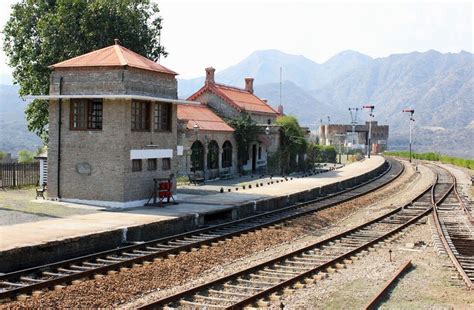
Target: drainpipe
x,y
59,136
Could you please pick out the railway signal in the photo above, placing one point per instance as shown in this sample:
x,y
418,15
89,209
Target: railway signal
x,y
411,111
353,112
371,116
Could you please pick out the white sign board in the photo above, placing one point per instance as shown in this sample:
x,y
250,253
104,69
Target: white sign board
x,y
156,153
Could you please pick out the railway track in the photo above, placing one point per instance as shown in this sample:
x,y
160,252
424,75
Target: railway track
x,y
64,272
270,278
455,228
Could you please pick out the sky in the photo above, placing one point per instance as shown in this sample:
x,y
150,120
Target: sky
x,y
198,34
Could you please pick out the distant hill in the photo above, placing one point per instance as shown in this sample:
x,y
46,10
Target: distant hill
x,y
439,86
14,134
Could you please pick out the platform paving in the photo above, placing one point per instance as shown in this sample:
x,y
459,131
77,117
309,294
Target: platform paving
x,y
57,229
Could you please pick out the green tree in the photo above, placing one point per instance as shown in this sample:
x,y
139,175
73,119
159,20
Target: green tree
x,y
246,131
293,142
25,156
2,154
41,33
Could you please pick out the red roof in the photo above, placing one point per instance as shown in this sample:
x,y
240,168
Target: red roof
x,y
204,117
240,99
113,56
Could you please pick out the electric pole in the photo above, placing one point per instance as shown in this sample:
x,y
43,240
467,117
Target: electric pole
x,y
371,115
411,111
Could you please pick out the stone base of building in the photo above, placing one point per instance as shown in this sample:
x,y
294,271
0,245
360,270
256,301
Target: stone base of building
x,y
110,204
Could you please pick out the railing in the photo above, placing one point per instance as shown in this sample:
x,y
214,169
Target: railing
x,y
17,175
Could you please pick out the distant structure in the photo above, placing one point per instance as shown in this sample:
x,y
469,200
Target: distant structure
x,y
328,135
112,128
230,102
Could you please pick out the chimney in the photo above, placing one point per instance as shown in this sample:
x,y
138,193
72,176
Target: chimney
x,y
249,85
210,75
280,109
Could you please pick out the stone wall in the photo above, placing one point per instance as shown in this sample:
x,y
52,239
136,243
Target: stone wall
x,y
104,156
188,137
113,81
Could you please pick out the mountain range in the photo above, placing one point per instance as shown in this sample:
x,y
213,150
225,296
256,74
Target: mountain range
x,y
439,86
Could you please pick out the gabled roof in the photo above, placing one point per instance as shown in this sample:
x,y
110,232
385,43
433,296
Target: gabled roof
x,y
204,117
113,56
240,99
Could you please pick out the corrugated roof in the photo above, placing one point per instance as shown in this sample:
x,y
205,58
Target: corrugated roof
x,y
113,56
204,117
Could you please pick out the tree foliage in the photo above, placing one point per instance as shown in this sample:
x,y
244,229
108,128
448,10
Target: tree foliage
x,y
292,143
321,154
41,33
25,156
246,131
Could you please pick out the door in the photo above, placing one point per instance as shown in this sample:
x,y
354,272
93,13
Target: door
x,y
254,157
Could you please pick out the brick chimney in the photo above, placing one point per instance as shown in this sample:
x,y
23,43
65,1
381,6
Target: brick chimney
x,y
210,75
249,85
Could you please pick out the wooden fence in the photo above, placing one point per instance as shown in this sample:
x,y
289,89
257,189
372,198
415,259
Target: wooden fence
x,y
16,175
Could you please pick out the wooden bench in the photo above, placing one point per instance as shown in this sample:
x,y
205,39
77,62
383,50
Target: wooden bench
x,y
195,179
40,192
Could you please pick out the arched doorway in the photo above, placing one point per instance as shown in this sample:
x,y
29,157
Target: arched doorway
x,y
227,154
213,155
197,156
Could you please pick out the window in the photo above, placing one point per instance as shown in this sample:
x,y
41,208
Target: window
x,y
269,121
85,114
140,115
197,156
162,116
136,165
227,155
166,163
213,155
259,152
152,164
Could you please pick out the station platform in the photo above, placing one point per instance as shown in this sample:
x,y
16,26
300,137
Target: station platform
x,y
106,227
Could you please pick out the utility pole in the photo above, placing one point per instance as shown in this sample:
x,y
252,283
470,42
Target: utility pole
x,y
371,115
353,112
411,111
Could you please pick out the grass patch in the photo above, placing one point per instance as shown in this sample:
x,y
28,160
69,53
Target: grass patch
x,y
460,162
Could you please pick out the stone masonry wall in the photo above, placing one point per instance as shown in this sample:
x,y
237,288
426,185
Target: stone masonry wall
x,y
113,81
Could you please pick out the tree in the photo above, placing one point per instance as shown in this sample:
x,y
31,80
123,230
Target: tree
x,y
42,33
246,131
292,143
25,156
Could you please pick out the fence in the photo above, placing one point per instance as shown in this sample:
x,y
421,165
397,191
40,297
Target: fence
x,y
16,175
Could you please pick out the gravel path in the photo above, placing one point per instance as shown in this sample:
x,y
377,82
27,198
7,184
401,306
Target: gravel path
x,y
189,269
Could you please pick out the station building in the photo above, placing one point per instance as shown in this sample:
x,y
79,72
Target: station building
x,y
209,145
230,102
112,127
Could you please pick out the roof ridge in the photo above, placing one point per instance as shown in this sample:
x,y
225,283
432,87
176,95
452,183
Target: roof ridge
x,y
119,53
232,87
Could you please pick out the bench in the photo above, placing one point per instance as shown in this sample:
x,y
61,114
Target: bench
x,y
195,178
40,191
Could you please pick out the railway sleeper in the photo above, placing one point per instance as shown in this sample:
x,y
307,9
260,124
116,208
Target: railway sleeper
x,y
239,287
197,305
255,283
215,299
260,276
237,294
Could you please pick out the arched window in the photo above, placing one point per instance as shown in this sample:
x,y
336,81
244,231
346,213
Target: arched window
x,y
213,155
227,155
197,156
